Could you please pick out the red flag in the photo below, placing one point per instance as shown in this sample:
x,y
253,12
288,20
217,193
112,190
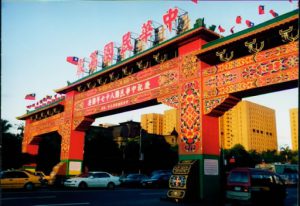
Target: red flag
x,y
238,19
221,29
73,60
30,96
195,1
274,14
261,9
231,30
249,23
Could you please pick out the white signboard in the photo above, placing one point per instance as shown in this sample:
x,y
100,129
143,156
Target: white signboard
x,y
74,168
211,167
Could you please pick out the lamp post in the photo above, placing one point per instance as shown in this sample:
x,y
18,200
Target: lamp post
x,y
141,155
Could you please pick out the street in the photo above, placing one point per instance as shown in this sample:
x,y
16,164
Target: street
x,y
103,197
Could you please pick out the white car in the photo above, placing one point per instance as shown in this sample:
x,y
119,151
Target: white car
x,y
93,179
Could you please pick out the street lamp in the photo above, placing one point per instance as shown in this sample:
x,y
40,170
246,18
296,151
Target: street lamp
x,y
141,155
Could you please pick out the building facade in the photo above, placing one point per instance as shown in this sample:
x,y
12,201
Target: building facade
x,y
249,124
170,121
294,128
152,123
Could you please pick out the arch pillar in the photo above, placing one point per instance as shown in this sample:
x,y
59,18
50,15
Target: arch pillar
x,y
72,132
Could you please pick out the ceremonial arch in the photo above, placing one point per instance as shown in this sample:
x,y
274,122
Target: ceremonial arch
x,y
197,72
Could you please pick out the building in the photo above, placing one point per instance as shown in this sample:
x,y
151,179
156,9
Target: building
x,y
170,121
124,131
294,128
249,124
152,123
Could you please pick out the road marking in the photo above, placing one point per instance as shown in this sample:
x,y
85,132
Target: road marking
x,y
23,198
83,203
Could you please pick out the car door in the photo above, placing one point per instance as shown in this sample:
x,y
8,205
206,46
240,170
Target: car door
x,y
279,189
101,179
14,179
7,180
22,178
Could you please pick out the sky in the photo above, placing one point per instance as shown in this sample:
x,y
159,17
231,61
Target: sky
x,y
37,36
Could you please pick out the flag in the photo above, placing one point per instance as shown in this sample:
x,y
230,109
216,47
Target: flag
x,y
73,60
274,14
291,1
261,9
30,96
238,19
221,29
231,30
195,1
249,23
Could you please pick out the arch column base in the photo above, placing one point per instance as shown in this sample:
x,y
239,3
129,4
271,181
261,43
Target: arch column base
x,y
209,176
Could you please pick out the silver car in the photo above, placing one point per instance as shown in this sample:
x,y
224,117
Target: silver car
x,y
93,179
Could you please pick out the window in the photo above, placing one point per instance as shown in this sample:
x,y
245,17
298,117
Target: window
x,y
238,176
101,175
260,178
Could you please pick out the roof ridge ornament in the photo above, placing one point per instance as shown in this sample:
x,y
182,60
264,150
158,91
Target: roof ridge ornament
x,y
224,57
287,35
253,47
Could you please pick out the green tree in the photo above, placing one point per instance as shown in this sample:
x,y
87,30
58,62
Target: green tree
x,y
285,154
270,156
240,155
5,126
11,149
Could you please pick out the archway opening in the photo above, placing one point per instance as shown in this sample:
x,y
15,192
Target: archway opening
x,y
49,152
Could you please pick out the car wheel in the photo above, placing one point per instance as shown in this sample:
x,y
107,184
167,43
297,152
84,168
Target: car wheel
x,y
82,185
29,186
111,186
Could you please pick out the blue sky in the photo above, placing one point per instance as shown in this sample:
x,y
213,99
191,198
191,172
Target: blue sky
x,y
37,36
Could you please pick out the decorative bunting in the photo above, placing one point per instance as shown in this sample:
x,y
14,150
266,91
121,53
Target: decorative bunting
x,y
195,1
274,14
221,29
261,9
249,23
238,20
231,30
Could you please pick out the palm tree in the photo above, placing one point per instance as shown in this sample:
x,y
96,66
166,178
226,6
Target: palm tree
x,y
5,126
286,153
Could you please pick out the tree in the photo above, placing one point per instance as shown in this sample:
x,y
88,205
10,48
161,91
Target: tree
x,y
240,155
285,154
11,149
5,126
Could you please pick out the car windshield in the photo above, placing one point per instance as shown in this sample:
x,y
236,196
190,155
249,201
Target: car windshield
x,y
238,177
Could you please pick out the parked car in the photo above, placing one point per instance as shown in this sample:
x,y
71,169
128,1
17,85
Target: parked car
x,y
133,179
93,179
157,172
255,186
18,179
158,180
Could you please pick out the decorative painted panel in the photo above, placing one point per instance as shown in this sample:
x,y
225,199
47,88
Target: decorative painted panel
x,y
151,83
273,66
190,118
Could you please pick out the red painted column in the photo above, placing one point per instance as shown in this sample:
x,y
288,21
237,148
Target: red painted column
x,y
199,133
72,145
